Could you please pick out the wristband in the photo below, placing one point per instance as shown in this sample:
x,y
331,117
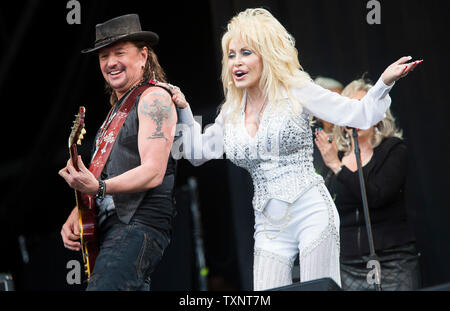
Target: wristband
x,y
101,190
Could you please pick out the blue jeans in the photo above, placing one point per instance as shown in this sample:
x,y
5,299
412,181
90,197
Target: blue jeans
x,y
128,255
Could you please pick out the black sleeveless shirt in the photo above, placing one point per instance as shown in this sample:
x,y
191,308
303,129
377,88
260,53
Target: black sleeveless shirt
x,y
154,207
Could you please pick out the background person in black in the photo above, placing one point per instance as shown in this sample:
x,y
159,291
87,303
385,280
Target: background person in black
x,y
135,215
384,161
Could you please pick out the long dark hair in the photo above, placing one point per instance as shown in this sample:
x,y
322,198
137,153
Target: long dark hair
x,y
152,70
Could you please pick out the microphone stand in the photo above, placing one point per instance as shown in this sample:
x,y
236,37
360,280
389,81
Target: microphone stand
x,y
202,269
372,255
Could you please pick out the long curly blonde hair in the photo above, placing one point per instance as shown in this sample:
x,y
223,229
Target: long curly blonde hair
x,y
267,38
383,129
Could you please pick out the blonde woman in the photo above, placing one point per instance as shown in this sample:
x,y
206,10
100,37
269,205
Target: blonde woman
x,y
384,159
263,126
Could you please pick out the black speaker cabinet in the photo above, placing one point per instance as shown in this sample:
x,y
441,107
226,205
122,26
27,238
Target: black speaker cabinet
x,y
324,284
441,287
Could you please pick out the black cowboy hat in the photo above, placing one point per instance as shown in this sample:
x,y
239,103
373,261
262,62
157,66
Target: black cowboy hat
x,y
122,28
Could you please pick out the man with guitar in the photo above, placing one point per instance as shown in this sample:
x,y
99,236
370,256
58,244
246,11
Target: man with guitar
x,y
128,186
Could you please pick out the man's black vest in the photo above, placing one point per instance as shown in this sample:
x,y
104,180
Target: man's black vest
x,y
124,157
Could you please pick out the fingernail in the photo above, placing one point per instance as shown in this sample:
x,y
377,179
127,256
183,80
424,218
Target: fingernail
x,y
409,57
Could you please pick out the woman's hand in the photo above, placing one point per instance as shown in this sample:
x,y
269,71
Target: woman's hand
x,y
399,69
177,96
328,150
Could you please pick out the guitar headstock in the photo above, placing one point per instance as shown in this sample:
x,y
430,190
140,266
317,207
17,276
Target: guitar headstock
x,y
78,131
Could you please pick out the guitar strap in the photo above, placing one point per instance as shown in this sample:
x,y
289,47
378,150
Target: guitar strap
x,y
107,143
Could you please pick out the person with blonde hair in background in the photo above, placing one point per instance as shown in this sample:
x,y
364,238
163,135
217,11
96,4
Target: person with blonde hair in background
x,y
334,86
263,126
384,160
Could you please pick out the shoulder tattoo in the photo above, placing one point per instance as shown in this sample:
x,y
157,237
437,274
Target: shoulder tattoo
x,y
158,109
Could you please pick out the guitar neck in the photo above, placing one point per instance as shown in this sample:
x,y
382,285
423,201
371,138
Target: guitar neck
x,y
74,156
74,159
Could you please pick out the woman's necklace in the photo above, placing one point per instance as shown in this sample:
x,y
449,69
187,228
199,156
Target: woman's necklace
x,y
258,116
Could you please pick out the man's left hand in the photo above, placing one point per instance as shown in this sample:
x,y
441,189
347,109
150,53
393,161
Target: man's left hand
x,y
82,180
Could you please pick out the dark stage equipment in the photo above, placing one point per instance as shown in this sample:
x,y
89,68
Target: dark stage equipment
x,y
324,284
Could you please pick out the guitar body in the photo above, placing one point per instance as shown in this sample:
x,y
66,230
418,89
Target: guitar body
x,y
85,203
88,231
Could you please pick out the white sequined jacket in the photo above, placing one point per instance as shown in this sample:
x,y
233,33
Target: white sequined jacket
x,y
279,156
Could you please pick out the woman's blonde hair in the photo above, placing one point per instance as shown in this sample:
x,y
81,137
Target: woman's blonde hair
x,y
267,38
383,129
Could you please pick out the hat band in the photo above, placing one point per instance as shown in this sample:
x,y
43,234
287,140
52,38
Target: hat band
x,y
107,39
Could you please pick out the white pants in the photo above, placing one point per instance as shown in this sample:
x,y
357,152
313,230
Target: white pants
x,y
309,227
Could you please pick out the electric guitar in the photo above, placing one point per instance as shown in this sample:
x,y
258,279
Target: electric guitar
x,y
84,202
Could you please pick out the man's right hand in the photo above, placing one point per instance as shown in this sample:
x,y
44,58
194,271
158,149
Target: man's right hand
x,y
70,231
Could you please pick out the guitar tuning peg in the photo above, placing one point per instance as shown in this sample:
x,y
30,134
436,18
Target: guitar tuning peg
x,y
79,142
81,137
83,131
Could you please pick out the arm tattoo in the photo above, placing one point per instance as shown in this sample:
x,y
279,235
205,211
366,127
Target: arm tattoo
x,y
159,109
